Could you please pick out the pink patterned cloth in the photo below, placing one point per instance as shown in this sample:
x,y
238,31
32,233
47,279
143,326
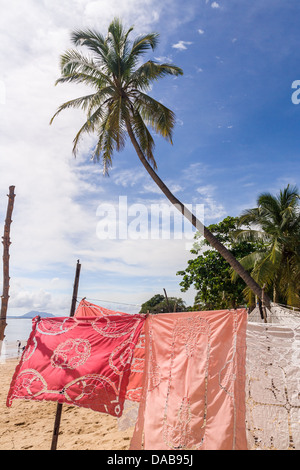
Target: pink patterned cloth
x,y
194,382
87,309
134,387
80,361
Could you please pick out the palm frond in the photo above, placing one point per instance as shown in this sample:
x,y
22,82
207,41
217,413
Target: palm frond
x,y
249,262
249,216
88,127
117,36
143,137
79,68
83,102
158,116
93,40
251,235
143,43
150,71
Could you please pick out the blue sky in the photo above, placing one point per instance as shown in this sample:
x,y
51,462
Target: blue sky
x,y
237,134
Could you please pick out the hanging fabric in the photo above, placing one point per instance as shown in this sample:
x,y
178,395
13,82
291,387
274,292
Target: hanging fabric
x,y
80,361
87,309
277,314
272,385
134,387
194,382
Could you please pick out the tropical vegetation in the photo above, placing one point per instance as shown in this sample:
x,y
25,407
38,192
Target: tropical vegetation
x,y
274,227
266,241
160,304
210,274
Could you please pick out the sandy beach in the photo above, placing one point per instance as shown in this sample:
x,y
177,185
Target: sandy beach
x,y
28,425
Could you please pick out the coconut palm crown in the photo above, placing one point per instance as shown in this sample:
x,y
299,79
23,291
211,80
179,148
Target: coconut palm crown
x,y
276,222
120,82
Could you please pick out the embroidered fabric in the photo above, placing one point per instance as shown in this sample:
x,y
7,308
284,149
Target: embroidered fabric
x,y
129,415
194,382
277,314
80,361
134,387
272,386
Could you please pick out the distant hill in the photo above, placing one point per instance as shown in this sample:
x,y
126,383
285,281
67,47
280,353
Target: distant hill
x,y
33,314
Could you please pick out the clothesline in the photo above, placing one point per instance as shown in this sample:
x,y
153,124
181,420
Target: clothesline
x,y
289,307
283,315
108,301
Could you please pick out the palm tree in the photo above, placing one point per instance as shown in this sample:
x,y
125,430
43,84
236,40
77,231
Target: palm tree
x,y
276,223
120,105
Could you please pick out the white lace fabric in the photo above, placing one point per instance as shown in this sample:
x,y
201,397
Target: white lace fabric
x,y
272,386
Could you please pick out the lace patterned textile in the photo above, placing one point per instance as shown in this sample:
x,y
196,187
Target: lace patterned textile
x,y
80,361
277,314
273,386
194,382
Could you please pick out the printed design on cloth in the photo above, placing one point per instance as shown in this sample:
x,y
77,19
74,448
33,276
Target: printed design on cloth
x,y
154,369
85,362
194,394
272,387
177,432
71,353
107,327
134,388
53,327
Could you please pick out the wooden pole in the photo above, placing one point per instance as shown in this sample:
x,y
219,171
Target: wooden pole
x,y
59,405
168,305
6,244
263,304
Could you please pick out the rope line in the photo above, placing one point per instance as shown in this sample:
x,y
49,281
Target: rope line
x,y
111,302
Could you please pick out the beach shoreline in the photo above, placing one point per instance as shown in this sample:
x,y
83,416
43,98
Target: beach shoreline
x,y
28,424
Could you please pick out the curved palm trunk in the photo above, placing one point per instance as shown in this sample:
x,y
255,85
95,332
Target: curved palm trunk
x,y
213,241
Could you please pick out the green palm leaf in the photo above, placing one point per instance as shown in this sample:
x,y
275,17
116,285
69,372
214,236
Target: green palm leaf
x,y
278,222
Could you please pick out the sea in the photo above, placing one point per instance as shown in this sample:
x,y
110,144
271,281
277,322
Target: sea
x,y
17,330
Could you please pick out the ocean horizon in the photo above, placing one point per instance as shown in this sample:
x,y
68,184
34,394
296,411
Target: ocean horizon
x,y
17,329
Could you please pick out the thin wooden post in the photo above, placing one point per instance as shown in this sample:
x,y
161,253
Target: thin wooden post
x,y
263,304
168,305
75,289
6,244
59,405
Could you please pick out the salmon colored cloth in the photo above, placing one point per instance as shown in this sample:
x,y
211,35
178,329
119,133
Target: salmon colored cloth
x,y
194,382
80,361
87,309
134,387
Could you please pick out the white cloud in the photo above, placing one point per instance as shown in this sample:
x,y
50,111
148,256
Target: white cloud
x,y
181,45
215,5
30,300
129,178
212,209
151,187
205,190
195,171
164,59
54,218
201,31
